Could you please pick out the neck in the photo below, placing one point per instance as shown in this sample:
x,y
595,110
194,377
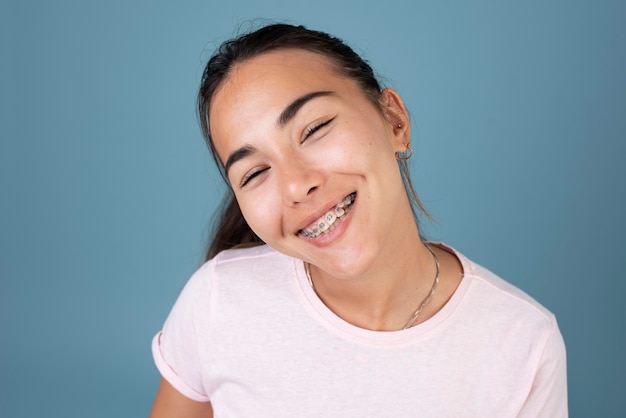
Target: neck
x,y
386,296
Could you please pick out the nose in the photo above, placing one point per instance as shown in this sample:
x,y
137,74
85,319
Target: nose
x,y
300,181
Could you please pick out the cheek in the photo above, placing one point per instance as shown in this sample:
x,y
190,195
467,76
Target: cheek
x,y
260,213
360,150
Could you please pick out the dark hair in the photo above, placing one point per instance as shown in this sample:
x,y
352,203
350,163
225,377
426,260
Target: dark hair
x,y
231,229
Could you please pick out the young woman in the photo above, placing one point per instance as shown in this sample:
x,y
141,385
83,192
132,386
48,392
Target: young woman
x,y
320,298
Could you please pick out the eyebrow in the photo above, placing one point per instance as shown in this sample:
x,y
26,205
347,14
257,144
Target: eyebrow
x,y
291,110
239,154
286,115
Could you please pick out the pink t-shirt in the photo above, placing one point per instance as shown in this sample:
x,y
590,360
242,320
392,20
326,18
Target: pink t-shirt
x,y
249,335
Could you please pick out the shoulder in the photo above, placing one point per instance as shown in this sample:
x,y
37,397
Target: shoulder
x,y
500,315
508,292
252,261
246,255
232,267
247,270
489,296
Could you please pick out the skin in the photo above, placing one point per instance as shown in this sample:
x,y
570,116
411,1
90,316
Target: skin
x,y
303,180
169,403
372,270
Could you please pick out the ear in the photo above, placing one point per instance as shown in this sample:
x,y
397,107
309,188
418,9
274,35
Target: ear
x,y
398,119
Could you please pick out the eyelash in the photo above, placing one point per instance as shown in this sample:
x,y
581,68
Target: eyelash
x,y
250,176
311,130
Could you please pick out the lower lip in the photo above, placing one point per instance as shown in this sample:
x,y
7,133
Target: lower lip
x,y
334,234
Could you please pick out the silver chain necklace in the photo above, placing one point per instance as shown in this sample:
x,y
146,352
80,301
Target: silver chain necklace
x,y
418,312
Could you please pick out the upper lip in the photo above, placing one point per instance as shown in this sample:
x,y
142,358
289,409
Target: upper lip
x,y
318,214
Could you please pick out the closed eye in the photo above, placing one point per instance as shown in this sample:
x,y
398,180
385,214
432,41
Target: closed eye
x,y
251,175
314,128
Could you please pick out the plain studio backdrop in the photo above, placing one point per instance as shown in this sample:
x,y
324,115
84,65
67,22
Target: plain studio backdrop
x,y
107,190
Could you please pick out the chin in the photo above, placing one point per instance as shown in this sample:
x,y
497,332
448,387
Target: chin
x,y
346,265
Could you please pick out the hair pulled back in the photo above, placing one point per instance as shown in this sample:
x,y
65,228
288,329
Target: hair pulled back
x,y
231,229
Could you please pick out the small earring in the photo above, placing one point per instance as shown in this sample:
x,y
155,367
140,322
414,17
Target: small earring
x,y
409,150
399,126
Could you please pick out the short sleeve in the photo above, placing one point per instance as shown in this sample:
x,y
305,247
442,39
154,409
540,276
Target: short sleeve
x,y
548,395
176,347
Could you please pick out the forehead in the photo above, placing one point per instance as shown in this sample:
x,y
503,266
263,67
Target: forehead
x,y
282,64
257,90
274,75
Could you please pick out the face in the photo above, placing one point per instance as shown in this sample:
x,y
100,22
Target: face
x,y
312,162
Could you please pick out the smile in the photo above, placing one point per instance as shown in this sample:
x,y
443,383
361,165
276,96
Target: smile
x,y
331,219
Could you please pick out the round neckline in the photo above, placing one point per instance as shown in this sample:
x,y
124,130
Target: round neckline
x,y
322,314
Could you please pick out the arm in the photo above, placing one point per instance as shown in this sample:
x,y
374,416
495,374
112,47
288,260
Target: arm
x,y
548,396
171,403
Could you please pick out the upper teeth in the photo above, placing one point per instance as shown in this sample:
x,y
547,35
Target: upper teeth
x,y
326,221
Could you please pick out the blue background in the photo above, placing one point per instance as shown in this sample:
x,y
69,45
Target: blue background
x,y
106,189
